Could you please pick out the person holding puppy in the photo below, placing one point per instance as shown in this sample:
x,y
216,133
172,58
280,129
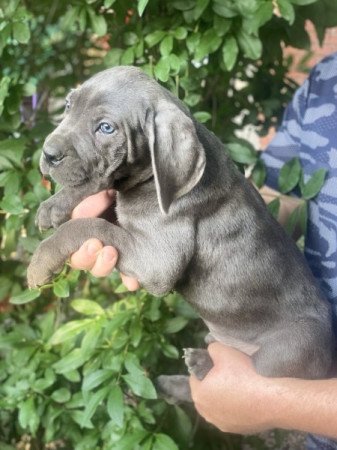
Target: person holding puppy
x,y
233,396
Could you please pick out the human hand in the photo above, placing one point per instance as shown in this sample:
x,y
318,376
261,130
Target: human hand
x,y
93,256
233,396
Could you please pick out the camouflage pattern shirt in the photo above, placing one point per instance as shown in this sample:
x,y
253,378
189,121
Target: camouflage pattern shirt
x,y
309,132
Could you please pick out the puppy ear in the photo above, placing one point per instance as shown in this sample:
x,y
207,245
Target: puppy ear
x,y
177,156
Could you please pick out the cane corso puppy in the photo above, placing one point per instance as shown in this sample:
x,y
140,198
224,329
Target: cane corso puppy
x,y
187,220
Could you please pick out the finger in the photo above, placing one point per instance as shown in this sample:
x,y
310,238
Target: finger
x,y
94,205
105,263
195,386
86,256
219,353
131,283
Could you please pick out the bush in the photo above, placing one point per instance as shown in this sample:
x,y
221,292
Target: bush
x,y
77,363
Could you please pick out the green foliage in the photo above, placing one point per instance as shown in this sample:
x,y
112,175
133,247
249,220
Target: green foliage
x,y
78,356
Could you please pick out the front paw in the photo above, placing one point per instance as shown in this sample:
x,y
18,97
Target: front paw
x,y
173,388
45,263
51,215
198,362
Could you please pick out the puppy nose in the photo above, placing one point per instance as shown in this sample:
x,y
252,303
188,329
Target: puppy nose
x,y
52,156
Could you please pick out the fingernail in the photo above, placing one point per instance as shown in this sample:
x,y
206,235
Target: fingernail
x,y
109,257
92,248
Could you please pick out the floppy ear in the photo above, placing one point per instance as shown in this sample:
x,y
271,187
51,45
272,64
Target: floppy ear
x,y
177,155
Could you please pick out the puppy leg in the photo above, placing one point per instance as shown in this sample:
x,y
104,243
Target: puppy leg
x,y
300,350
174,388
57,209
53,252
198,362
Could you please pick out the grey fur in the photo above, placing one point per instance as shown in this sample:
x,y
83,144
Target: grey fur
x,y
187,220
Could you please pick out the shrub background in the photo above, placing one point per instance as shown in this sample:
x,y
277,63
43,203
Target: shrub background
x,y
76,363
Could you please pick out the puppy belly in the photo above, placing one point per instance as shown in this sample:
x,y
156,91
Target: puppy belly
x,y
223,338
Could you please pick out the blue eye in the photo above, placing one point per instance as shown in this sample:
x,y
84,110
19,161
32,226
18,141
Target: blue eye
x,y
106,128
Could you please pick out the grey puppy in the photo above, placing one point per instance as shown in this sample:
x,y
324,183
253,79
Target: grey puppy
x,y
187,220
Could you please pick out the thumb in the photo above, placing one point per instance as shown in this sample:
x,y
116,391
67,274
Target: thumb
x,y
94,205
221,354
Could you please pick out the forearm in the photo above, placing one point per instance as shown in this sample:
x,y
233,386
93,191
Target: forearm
x,y
236,399
305,405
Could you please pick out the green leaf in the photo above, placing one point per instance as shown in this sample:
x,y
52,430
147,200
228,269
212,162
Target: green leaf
x,y
303,2
199,9
286,10
68,20
98,23
115,405
166,45
42,384
94,379
130,38
274,207
25,297
135,331
162,69
209,43
180,33
247,8
202,116
70,330
12,185
164,442
61,288
62,395
140,385
242,153
170,350
224,10
184,5
71,361
128,56
141,6
263,14
249,44
175,63
310,189
13,149
131,440
113,57
121,289
12,204
174,325
4,446
221,25
289,176
132,365
4,88
28,416
72,375
21,32
259,173
230,51
154,38
87,307
94,400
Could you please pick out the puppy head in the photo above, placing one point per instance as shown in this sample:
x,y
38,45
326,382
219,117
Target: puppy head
x,y
120,128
